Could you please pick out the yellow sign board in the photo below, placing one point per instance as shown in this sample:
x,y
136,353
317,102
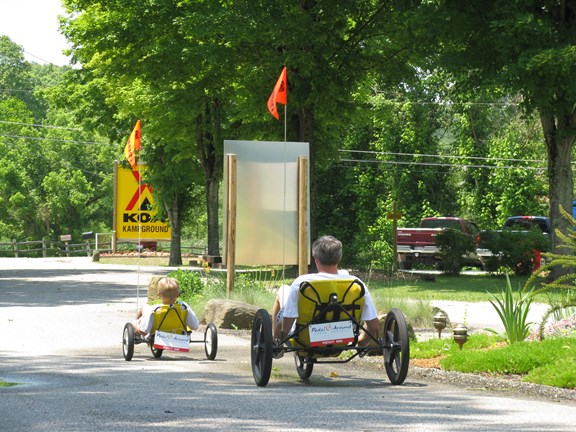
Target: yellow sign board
x,y
134,214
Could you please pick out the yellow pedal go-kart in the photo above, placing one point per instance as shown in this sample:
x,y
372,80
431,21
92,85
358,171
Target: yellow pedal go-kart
x,y
328,325
169,333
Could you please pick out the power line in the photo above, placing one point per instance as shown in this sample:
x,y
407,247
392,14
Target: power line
x,y
443,156
40,125
436,164
53,139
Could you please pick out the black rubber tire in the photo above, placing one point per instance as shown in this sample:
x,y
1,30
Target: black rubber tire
x,y
304,369
128,342
156,352
261,347
396,347
211,341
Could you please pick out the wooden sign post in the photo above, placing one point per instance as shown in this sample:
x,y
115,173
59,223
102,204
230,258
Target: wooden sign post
x,y
394,215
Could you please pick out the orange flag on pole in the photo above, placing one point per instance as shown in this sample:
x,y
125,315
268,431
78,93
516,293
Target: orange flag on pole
x,y
132,145
279,94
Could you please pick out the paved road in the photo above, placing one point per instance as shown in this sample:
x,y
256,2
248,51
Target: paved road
x,y
60,329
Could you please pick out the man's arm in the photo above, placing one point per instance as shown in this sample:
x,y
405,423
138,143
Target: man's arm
x,y
287,324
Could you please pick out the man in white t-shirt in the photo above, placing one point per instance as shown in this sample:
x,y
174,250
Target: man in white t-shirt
x,y
327,253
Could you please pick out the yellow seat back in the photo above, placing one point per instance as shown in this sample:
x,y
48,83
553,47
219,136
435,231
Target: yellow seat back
x,y
315,298
170,318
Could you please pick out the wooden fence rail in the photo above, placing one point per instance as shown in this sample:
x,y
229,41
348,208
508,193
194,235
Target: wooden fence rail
x,y
51,248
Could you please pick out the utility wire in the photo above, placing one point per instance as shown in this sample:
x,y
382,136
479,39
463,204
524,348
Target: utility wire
x,y
53,139
442,156
372,161
41,125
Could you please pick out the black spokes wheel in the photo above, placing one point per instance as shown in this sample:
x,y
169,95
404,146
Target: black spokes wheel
x,y
210,341
396,347
303,368
261,343
128,342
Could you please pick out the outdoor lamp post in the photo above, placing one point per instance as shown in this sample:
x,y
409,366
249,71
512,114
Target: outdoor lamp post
x,y
440,320
460,335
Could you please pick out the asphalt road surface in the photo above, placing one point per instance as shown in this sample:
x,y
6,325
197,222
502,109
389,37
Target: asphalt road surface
x,y
61,324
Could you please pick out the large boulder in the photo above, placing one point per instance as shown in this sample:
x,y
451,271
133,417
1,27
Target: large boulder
x,y
230,314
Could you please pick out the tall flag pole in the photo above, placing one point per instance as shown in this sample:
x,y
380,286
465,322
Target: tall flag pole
x,y
132,145
280,96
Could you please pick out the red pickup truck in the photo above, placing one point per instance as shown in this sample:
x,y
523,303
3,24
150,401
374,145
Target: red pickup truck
x,y
418,245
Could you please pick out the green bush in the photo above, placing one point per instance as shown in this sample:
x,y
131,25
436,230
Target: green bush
x,y
515,250
191,284
453,246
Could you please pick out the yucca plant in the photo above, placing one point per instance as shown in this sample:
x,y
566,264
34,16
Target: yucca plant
x,y
513,312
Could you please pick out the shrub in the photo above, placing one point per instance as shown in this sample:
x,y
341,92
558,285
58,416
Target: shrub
x,y
515,250
191,284
453,247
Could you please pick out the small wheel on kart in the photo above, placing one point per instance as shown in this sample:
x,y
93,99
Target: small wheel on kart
x,y
261,343
304,369
210,341
156,352
396,347
128,342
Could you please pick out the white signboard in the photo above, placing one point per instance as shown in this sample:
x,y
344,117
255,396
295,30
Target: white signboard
x,y
331,333
266,201
171,341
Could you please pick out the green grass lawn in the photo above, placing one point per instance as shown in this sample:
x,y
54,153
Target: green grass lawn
x,y
549,362
470,288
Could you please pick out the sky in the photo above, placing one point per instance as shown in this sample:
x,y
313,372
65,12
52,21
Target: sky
x,y
33,24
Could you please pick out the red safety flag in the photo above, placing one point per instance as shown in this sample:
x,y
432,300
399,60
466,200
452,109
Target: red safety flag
x,y
132,145
279,94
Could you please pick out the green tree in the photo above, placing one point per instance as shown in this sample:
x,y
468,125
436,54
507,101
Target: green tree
x,y
525,47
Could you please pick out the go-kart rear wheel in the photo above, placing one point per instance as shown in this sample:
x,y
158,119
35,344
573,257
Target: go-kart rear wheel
x,y
210,341
396,347
156,352
261,343
304,369
128,342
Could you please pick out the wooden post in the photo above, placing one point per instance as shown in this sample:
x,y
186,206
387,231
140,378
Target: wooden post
x,y
114,206
15,247
231,224
44,247
302,215
394,215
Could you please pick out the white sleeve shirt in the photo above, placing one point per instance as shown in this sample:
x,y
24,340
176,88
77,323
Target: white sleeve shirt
x,y
291,307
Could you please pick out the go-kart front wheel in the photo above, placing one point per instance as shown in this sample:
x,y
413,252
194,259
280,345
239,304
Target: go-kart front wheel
x,y
396,347
261,344
210,341
128,342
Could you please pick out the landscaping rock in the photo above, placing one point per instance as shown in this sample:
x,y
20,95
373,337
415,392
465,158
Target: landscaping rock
x,y
153,288
230,314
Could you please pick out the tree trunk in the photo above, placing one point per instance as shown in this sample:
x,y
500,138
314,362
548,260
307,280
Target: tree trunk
x,y
173,211
559,141
208,135
212,187
305,134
